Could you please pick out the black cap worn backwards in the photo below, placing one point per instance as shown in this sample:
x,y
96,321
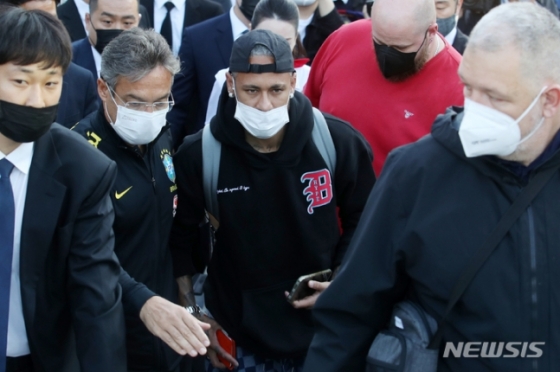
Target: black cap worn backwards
x,y
278,46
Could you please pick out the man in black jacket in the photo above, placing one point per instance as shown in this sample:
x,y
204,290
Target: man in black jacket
x,y
60,299
130,128
278,204
105,20
439,199
73,15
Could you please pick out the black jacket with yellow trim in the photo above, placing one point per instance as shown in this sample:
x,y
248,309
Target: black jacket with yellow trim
x,y
144,199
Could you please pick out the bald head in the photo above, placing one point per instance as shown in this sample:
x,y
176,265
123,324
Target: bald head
x,y
403,17
526,28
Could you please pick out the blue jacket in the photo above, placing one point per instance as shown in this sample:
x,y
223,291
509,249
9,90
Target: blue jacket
x,y
79,96
82,55
199,64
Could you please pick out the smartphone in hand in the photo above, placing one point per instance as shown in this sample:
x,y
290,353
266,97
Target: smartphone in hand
x,y
228,344
301,288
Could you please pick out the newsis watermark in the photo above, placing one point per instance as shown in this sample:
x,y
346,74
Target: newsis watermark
x,y
493,349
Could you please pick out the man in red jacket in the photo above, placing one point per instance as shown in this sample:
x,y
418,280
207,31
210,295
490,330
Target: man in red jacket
x,y
389,76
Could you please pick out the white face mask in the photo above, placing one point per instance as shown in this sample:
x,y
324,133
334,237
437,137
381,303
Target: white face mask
x,y
487,131
137,127
261,124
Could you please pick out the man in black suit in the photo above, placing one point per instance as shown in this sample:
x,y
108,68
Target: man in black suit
x,y
447,12
105,21
79,93
72,14
170,17
193,85
59,292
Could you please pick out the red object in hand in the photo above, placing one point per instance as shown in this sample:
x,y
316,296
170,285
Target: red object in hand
x,y
228,344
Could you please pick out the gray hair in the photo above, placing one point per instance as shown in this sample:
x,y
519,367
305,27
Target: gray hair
x,y
134,54
531,29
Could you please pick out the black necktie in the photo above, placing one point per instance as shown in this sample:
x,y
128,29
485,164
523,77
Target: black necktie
x,y
166,29
7,224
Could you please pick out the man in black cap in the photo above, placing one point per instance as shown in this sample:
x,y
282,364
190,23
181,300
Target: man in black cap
x,y
278,201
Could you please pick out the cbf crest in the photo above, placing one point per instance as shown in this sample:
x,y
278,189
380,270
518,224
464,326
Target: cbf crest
x,y
168,164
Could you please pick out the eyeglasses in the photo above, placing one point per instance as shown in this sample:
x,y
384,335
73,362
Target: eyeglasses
x,y
145,106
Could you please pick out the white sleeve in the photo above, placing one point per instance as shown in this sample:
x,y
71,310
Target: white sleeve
x,y
215,95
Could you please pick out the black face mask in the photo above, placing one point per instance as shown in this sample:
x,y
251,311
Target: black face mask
x,y
394,63
25,123
247,7
104,37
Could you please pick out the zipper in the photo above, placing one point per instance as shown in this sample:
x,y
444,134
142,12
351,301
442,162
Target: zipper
x,y
157,344
161,361
533,276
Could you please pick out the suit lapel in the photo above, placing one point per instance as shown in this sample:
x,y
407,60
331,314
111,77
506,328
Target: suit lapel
x,y
224,38
45,196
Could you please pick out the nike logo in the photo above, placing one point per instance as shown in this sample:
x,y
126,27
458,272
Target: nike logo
x,y
118,196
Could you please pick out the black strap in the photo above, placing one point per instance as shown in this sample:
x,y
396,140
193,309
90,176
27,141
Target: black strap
x,y
519,205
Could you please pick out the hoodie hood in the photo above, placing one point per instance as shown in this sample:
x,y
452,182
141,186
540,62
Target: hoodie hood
x,y
230,132
446,132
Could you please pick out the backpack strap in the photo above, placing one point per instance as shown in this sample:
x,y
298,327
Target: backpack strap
x,y
516,209
211,153
323,140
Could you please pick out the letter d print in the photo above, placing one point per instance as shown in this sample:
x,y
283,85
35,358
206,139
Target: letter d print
x,y
319,191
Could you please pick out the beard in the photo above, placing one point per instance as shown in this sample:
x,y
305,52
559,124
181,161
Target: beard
x,y
419,62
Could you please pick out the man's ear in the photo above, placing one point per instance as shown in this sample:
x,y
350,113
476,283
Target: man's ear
x,y
103,90
552,104
293,80
229,82
88,19
433,29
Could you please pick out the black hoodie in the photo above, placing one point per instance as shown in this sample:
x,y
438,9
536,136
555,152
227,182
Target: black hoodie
x,y
430,211
270,234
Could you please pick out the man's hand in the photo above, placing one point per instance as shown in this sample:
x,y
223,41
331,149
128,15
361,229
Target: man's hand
x,y
215,348
175,326
309,302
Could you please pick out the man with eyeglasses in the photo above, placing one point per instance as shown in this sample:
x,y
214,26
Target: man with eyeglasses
x,y
130,128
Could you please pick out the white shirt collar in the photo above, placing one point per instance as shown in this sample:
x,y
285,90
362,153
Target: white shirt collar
x,y
237,27
179,4
450,37
97,60
21,157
